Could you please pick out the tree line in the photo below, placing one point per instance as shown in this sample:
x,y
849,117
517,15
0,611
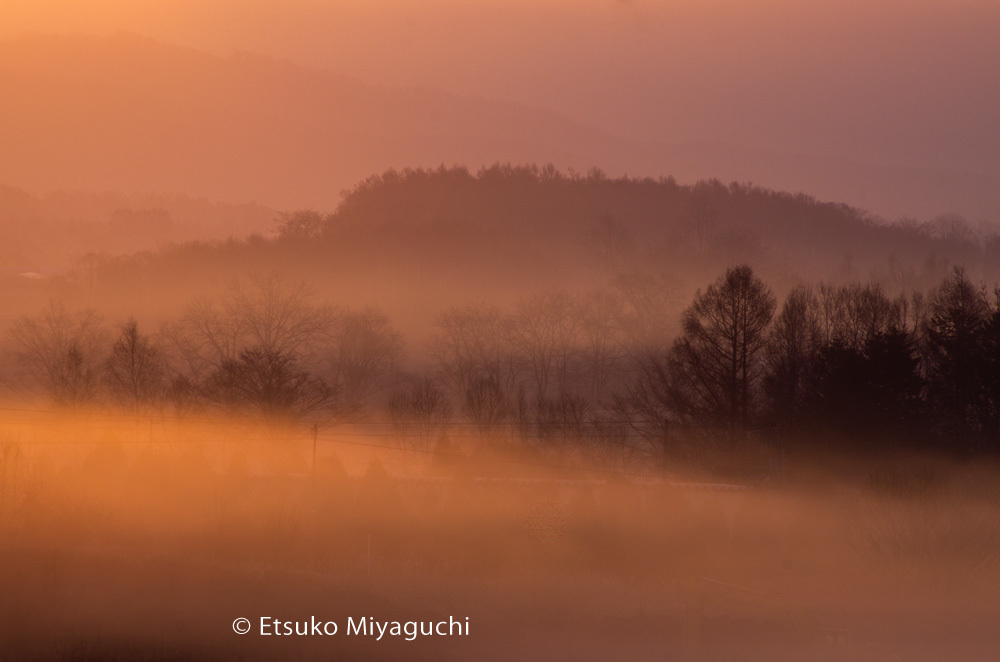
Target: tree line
x,y
706,224
847,366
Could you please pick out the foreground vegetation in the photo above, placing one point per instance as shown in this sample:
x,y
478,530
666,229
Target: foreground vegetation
x,y
122,543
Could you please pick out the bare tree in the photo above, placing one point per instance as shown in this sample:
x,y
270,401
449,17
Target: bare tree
x,y
270,314
563,417
715,366
792,346
603,351
134,373
473,343
486,405
649,302
269,383
364,357
649,417
545,336
64,352
854,314
419,413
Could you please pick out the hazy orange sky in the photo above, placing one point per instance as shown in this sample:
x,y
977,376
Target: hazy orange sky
x,y
909,83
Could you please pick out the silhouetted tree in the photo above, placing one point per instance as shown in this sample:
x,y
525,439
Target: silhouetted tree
x,y
134,373
545,337
853,314
564,416
64,352
419,413
270,314
364,357
653,412
603,354
869,397
955,337
792,346
300,225
269,383
472,343
989,396
715,366
648,310
486,405
183,395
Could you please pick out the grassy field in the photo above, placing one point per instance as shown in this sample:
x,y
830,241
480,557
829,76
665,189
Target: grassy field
x,y
131,540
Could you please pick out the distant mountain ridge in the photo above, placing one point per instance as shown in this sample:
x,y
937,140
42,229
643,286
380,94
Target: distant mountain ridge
x,y
48,234
131,114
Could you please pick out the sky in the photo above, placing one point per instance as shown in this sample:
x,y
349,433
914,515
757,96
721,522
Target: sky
x,y
899,83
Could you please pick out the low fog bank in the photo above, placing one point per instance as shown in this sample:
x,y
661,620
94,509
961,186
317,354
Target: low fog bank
x,y
144,538
598,417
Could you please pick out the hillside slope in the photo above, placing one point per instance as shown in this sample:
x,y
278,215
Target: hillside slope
x,y
414,242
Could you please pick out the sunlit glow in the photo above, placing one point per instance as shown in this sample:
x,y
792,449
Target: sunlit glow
x,y
609,329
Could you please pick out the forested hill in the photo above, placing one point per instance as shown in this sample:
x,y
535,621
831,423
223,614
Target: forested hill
x,y
623,222
411,241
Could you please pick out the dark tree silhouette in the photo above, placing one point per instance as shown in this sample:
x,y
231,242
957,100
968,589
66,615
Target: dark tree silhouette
x,y
64,352
716,365
792,347
868,397
955,335
419,413
472,344
853,314
268,383
989,396
486,405
565,416
134,373
270,314
300,225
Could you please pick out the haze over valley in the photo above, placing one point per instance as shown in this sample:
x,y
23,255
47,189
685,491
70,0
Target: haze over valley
x,y
608,329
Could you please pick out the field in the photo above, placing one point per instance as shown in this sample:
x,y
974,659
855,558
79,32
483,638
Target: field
x,y
143,539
